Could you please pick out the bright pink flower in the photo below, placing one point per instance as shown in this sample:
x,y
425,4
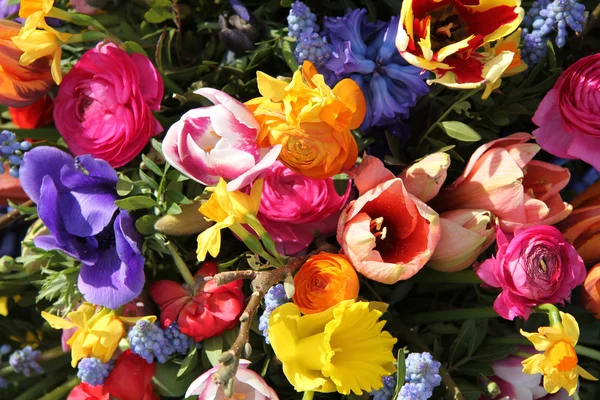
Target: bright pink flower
x,y
247,385
502,178
215,142
82,6
294,208
209,312
514,384
104,105
569,116
131,379
387,233
83,391
535,266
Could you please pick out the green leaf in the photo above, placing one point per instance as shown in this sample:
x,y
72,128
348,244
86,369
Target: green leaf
x,y
481,327
157,146
175,175
460,131
124,186
499,118
147,180
287,50
286,3
213,347
400,373
167,385
188,363
135,203
152,166
145,224
463,340
134,47
468,391
475,368
488,353
443,328
177,197
174,209
156,15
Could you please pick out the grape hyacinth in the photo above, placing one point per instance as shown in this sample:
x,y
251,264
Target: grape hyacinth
x,y
274,298
422,376
11,152
4,350
309,44
178,340
93,371
148,341
545,17
388,389
25,361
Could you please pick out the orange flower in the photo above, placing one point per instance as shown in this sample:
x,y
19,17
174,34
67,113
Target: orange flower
x,y
36,115
323,281
10,189
310,120
590,295
20,85
582,227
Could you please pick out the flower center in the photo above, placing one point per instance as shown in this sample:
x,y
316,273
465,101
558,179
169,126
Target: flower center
x,y
543,266
447,27
563,356
377,228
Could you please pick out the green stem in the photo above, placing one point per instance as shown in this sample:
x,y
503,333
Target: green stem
x,y
77,19
264,236
551,311
450,315
461,97
51,354
43,386
171,86
89,36
587,352
466,276
61,391
181,266
254,244
308,395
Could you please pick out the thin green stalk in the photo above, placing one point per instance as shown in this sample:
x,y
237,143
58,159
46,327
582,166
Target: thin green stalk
x,y
61,391
34,392
51,354
308,395
450,315
466,276
254,244
264,236
181,266
587,352
551,311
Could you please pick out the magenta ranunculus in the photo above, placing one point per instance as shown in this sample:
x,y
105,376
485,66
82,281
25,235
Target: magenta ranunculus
x,y
535,266
219,141
104,105
569,116
294,208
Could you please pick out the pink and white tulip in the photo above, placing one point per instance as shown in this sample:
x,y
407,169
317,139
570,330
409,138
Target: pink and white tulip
x,y
247,385
219,141
425,178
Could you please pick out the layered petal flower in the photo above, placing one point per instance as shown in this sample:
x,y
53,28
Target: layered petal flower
x,y
590,295
131,378
36,115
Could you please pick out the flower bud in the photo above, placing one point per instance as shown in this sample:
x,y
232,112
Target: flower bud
x,y
465,235
238,35
425,178
188,222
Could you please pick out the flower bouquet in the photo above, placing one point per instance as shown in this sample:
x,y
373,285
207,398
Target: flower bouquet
x,y
387,199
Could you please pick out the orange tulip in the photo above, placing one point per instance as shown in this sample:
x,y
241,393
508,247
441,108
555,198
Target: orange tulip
x,y
36,115
582,227
323,281
590,295
20,85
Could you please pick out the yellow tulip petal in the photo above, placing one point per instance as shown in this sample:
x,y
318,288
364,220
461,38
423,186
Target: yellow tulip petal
x,y
532,364
57,322
540,342
571,327
584,374
269,87
133,320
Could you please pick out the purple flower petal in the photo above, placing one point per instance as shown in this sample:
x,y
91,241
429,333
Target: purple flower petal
x,y
38,163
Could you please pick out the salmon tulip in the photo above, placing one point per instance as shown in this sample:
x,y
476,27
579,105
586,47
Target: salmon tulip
x,y
425,178
590,294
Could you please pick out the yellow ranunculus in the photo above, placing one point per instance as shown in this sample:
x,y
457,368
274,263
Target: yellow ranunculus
x,y
558,363
340,349
310,120
227,209
98,333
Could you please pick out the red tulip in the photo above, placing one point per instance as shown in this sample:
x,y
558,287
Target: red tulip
x,y
36,115
83,391
208,312
131,379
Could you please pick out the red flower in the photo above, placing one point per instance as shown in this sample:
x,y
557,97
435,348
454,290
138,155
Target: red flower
x,y
35,115
83,391
131,379
209,312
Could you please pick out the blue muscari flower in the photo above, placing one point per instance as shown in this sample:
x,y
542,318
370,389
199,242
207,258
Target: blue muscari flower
x,y
388,389
11,152
301,19
148,341
25,361
93,371
274,298
422,368
3,383
366,52
414,391
310,45
178,340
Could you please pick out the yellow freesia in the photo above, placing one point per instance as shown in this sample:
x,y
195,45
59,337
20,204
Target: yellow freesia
x,y
98,333
340,349
226,209
558,363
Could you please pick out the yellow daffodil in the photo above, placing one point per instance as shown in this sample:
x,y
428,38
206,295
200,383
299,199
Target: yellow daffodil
x,y
42,44
228,210
35,12
340,349
558,363
98,333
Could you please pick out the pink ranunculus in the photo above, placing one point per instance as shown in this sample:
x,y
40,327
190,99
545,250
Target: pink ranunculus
x,y
219,141
104,105
514,384
83,7
294,207
569,116
535,266
247,385
387,233
503,178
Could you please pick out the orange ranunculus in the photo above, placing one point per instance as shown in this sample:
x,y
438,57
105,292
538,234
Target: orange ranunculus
x,y
310,120
590,295
323,281
19,85
36,115
10,189
582,227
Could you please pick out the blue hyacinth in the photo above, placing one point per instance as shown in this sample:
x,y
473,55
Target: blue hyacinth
x,y
545,18
11,152
93,371
310,45
148,341
388,389
25,361
274,298
366,53
180,342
